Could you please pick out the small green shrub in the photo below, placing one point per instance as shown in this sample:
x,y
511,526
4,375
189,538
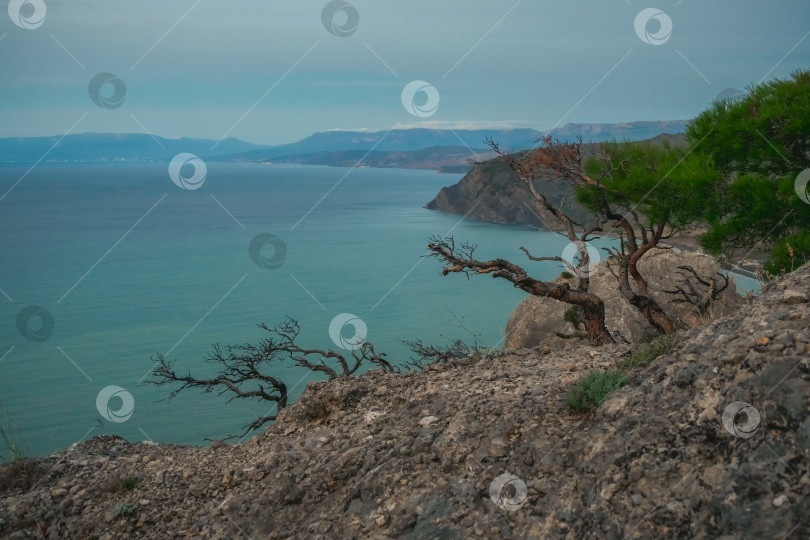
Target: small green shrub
x,y
126,483
647,352
494,352
125,509
567,275
572,316
591,391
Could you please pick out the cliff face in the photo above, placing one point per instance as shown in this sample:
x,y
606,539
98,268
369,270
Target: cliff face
x,y
493,192
673,454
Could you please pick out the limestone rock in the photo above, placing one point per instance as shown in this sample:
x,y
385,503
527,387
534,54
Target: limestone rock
x,y
538,321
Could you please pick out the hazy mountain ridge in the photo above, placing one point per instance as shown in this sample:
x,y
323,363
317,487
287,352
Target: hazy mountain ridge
x,y
633,131
455,159
444,145
111,147
406,139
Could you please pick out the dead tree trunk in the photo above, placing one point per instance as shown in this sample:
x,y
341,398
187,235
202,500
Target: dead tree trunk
x,y
461,260
648,307
701,300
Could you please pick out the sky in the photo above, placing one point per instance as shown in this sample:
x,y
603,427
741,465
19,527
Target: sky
x,y
272,72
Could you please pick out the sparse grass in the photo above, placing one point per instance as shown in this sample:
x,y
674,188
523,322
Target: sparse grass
x,y
591,391
647,352
7,429
21,473
125,509
126,483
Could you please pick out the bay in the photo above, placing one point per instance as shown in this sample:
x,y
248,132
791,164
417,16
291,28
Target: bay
x,y
130,265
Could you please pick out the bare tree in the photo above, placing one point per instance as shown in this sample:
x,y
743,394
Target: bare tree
x,y
462,260
241,368
554,162
563,161
688,293
428,354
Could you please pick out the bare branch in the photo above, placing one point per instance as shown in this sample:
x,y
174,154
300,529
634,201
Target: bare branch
x,y
429,354
462,261
240,367
700,299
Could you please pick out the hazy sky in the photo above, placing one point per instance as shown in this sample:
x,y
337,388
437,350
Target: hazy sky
x,y
271,71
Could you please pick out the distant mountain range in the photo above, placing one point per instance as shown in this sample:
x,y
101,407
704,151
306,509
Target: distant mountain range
x,y
439,149
448,159
109,147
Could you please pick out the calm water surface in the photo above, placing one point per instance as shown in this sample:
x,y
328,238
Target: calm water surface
x,y
129,265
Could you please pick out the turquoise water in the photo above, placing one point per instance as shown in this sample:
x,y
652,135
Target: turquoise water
x,y
183,279
745,284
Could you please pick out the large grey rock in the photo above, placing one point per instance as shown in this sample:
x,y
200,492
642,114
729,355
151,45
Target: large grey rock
x,y
539,320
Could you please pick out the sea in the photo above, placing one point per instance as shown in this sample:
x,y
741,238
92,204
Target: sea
x,y
104,266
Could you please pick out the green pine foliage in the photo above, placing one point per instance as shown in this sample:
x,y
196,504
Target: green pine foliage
x,y
789,254
766,132
760,143
662,183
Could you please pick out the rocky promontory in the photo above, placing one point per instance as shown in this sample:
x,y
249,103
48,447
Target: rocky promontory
x,y
491,191
710,440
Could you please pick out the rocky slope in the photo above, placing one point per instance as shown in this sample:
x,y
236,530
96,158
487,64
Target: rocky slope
x,y
422,455
492,192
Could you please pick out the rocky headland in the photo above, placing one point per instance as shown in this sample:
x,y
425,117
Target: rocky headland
x,y
491,191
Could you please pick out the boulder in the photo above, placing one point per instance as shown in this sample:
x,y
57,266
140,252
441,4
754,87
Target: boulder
x,y
538,320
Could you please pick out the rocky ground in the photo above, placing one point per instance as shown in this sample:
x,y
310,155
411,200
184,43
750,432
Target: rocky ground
x,y
422,455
